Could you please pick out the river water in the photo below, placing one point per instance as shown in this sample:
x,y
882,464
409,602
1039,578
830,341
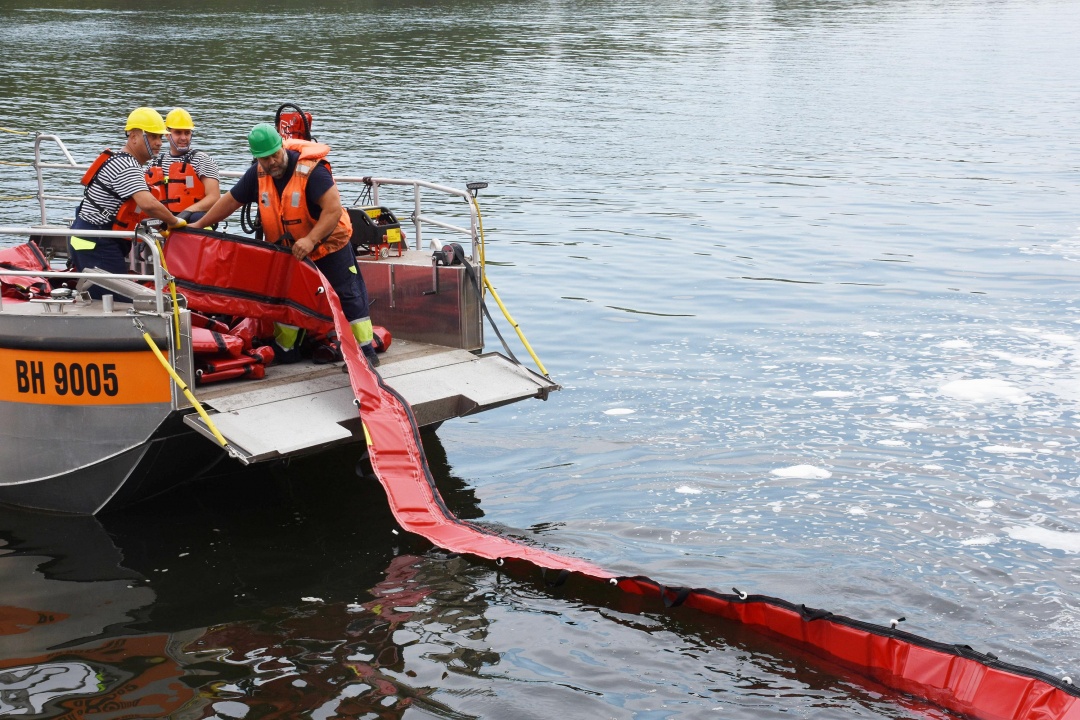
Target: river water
x,y
805,270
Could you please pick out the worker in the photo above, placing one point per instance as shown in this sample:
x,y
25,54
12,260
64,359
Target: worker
x,y
300,207
117,197
190,177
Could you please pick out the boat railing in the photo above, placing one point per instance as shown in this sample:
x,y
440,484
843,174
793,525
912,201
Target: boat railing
x,y
418,217
40,167
157,276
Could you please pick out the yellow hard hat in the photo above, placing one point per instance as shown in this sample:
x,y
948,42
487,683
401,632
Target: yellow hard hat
x,y
179,119
146,119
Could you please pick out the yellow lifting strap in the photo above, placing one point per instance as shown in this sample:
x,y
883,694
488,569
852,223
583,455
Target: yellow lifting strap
x,y
172,290
498,301
182,385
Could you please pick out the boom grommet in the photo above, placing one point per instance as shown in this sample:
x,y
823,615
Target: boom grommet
x,y
896,621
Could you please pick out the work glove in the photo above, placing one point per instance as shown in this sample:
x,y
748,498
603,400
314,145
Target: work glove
x,y
180,222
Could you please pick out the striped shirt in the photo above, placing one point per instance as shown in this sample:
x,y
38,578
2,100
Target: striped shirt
x,y
204,165
118,179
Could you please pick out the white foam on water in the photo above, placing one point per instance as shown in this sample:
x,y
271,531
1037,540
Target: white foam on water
x,y
803,472
909,424
619,411
980,540
856,510
1006,449
892,443
985,503
954,344
984,390
1053,539
687,490
932,468
833,393
888,398
1059,339
872,333
1051,337
1026,361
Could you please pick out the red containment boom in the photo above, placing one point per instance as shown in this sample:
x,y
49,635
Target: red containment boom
x,y
953,677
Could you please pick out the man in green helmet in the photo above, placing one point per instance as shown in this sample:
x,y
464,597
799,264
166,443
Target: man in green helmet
x,y
300,207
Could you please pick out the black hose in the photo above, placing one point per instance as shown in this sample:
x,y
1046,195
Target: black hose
x,y
460,254
249,220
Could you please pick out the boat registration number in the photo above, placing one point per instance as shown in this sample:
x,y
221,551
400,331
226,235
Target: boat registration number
x,y
78,378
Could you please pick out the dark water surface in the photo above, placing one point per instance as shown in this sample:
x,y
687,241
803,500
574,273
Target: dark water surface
x,y
805,269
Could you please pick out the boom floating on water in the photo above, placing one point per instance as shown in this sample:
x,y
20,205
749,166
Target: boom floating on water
x,y
954,677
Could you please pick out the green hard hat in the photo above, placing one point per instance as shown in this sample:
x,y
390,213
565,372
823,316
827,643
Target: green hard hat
x,y
264,140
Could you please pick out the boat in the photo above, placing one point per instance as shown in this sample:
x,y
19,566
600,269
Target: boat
x,y
104,403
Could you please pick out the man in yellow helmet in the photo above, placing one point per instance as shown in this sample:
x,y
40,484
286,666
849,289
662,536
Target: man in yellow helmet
x,y
117,197
190,177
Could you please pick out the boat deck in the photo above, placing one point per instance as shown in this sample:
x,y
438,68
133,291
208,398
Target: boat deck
x,y
304,407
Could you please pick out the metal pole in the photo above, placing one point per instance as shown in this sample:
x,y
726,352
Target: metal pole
x,y
416,217
40,179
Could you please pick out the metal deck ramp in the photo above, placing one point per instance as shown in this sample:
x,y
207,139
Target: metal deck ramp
x,y
302,408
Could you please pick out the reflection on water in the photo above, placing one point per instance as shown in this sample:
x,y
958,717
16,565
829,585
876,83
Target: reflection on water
x,y
292,595
806,271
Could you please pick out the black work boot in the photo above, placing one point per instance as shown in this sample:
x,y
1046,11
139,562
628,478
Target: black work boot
x,y
370,354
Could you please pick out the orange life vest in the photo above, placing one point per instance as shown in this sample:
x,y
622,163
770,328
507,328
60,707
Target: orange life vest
x,y
95,167
183,188
128,215
288,212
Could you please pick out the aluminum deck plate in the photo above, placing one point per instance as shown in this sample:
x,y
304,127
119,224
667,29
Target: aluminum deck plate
x,y
303,407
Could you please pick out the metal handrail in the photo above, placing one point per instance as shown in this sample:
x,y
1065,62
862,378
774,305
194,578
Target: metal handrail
x,y
39,166
158,276
417,217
